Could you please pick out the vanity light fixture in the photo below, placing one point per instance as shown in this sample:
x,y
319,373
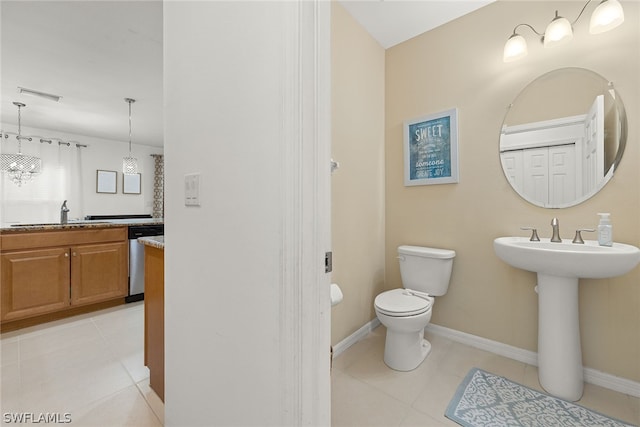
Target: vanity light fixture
x,y
129,164
49,96
559,31
607,16
20,168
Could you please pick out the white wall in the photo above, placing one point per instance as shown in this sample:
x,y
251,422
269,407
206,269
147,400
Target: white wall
x,y
239,274
40,200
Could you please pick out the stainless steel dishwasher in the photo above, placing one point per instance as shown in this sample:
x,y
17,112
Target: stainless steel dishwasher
x,y
136,258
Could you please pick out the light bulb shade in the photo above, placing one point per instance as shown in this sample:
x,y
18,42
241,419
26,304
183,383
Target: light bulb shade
x,y
515,48
607,16
558,32
129,165
19,168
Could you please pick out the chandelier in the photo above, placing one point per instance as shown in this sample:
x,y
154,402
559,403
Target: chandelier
x,y
129,164
20,168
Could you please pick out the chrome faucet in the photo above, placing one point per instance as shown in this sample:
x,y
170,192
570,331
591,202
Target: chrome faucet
x,y
63,213
555,224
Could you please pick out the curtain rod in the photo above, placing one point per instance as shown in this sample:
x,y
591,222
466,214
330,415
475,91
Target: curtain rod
x,y
6,135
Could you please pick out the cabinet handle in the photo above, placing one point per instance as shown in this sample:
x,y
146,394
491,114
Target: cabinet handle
x,y
66,254
74,254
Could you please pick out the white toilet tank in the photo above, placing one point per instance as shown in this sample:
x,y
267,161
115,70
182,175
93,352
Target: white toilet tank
x,y
426,269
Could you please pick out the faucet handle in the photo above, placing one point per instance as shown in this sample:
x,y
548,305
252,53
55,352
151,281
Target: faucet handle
x,y
534,234
578,238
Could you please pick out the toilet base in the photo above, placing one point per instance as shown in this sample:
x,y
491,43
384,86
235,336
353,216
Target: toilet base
x,y
405,351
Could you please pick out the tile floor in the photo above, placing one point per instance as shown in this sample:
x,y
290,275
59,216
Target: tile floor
x,y
91,366
365,392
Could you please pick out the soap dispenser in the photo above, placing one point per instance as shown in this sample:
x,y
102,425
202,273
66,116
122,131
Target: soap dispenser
x,y
605,230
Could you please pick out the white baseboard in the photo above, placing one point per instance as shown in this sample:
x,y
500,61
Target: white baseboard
x,y
515,353
591,376
355,337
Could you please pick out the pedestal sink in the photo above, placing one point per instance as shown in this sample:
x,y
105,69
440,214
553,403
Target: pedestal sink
x,y
559,266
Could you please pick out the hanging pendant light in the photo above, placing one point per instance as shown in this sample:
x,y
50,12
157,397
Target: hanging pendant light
x,y
20,168
129,164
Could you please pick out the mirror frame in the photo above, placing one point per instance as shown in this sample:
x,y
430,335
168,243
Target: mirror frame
x,y
616,102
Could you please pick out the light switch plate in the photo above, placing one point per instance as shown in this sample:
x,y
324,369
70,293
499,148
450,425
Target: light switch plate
x,y
192,189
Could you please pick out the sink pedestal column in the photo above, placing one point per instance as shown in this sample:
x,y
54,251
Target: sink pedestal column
x,y
559,351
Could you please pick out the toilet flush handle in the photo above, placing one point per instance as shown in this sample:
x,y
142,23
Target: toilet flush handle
x,y
418,294
401,258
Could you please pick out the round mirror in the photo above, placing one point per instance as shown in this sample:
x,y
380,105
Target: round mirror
x,y
563,137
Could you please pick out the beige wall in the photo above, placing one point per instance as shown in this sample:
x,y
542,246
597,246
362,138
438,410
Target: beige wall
x,y
358,186
460,65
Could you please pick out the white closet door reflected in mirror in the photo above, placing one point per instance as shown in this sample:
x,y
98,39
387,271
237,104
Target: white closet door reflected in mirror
x,y
563,138
557,161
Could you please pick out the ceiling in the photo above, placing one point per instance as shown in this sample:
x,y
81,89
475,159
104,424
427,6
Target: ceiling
x,y
96,53
393,21
93,54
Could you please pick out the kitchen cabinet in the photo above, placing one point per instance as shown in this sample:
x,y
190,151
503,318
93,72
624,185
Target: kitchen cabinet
x,y
50,271
98,272
34,282
154,317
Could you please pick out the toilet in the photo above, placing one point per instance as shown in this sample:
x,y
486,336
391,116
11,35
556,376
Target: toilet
x,y
406,311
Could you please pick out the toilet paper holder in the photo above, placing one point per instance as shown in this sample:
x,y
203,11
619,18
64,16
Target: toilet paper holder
x,y
336,294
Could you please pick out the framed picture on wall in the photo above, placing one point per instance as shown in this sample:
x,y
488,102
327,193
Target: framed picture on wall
x,y
431,149
131,183
106,181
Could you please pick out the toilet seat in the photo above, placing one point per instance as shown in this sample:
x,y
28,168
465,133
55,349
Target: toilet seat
x,y
401,303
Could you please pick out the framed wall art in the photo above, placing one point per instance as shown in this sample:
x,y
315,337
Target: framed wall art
x,y
106,181
131,183
431,149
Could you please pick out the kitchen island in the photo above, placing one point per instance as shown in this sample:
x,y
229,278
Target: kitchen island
x,y
154,311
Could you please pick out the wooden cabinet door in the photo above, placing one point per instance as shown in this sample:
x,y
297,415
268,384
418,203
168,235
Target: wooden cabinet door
x,y
154,317
34,282
98,272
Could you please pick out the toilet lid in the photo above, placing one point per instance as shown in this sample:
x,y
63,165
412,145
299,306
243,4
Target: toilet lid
x,y
399,302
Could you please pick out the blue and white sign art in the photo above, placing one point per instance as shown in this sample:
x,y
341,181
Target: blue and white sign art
x,y
431,149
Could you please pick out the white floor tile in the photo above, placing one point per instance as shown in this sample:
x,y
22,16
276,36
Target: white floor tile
x,y
87,366
355,403
418,419
10,387
43,342
114,323
152,399
93,367
124,408
435,382
9,352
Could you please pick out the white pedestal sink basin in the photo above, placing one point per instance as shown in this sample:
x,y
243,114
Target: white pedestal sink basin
x,y
559,266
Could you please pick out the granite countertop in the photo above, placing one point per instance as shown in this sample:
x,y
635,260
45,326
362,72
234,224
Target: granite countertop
x,y
75,224
153,241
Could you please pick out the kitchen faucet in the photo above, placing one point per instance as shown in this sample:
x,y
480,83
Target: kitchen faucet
x,y
63,213
555,224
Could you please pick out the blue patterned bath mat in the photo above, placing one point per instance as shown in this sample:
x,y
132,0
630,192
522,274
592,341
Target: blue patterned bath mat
x,y
484,400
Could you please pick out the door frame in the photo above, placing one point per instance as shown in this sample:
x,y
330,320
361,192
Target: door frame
x,y
305,318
